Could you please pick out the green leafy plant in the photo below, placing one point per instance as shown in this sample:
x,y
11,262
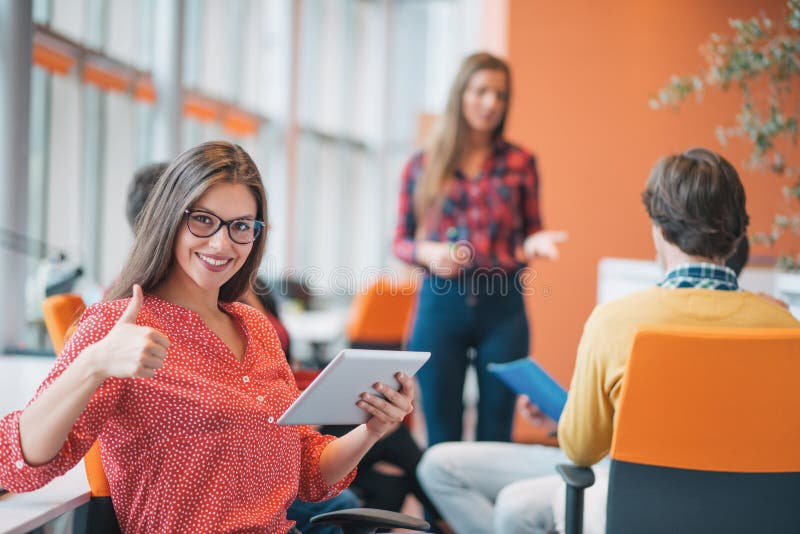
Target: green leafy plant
x,y
761,60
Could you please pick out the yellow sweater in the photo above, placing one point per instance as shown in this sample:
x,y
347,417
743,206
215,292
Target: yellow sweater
x,y
587,423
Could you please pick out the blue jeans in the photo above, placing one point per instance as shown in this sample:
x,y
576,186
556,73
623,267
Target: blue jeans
x,y
486,314
302,512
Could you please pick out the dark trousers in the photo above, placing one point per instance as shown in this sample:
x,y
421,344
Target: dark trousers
x,y
484,313
301,512
385,491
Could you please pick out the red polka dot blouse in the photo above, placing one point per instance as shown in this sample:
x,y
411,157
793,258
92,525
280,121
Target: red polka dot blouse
x,y
195,448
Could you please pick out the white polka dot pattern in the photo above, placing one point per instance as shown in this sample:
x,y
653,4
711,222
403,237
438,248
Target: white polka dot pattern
x,y
195,448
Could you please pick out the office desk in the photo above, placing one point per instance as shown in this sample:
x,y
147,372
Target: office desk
x,y
19,378
24,512
315,334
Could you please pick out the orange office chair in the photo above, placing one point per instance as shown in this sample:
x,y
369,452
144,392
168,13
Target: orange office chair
x,y
61,312
379,317
681,458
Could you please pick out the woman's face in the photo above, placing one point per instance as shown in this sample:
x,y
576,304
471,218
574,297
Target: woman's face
x,y
485,99
209,262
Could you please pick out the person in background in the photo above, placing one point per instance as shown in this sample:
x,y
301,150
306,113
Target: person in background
x,y
469,214
696,203
144,180
180,384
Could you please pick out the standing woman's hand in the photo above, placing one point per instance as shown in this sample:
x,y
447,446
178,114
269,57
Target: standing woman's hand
x,y
543,244
392,409
444,259
129,350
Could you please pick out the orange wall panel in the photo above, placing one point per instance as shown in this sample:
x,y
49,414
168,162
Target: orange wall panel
x,y
583,74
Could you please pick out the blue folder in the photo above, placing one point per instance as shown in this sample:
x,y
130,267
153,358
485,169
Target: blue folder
x,y
526,377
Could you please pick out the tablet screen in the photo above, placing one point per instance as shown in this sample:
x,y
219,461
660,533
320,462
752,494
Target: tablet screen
x,y
331,398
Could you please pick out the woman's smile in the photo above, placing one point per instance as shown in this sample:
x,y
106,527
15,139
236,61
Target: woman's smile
x,y
214,262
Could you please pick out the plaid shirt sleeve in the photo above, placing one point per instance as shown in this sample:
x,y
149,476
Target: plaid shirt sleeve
x,y
531,219
404,245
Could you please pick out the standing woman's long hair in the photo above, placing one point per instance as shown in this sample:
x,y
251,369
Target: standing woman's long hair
x,y
186,179
450,134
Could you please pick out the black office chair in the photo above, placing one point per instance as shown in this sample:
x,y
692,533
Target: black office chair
x,y
368,520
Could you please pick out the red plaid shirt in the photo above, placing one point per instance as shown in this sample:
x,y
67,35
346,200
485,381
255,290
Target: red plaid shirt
x,y
494,212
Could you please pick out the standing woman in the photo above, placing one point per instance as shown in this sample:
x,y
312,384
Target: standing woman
x,y
182,385
469,214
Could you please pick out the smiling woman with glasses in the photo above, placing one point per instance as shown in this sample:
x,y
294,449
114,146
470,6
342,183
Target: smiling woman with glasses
x,y
182,385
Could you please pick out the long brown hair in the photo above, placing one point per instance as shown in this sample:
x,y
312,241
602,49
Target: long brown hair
x,y
450,133
186,179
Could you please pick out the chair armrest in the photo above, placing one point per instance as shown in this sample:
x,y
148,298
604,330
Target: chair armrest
x,y
575,476
577,480
369,519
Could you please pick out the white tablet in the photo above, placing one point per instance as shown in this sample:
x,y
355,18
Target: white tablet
x,y
331,398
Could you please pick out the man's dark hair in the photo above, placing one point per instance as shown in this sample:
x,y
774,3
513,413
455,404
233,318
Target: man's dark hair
x,y
698,201
143,182
741,254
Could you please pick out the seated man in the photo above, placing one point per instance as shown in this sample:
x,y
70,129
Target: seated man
x,y
697,206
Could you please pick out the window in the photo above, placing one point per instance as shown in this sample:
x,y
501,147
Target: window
x,y
330,152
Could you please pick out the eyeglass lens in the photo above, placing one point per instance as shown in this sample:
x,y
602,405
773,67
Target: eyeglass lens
x,y
203,224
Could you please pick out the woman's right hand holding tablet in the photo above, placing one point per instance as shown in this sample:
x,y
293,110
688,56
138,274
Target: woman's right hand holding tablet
x,y
129,350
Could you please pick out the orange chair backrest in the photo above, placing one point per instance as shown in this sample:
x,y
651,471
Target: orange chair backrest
x,y
714,399
381,315
60,313
95,474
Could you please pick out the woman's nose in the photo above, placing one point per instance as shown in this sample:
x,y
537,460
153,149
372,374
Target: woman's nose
x,y
221,238
491,100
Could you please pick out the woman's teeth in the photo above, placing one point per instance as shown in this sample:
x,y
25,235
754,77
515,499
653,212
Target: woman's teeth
x,y
212,261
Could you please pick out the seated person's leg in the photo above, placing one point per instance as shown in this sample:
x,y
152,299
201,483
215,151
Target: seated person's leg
x,y
400,449
380,489
302,512
526,507
464,479
388,490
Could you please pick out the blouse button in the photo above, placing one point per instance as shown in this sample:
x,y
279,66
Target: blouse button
x,y
270,419
20,464
260,398
245,379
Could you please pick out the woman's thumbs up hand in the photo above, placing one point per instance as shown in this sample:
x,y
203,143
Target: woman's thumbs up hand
x,y
129,350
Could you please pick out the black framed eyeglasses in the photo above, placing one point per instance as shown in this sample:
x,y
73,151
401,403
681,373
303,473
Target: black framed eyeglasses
x,y
203,223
